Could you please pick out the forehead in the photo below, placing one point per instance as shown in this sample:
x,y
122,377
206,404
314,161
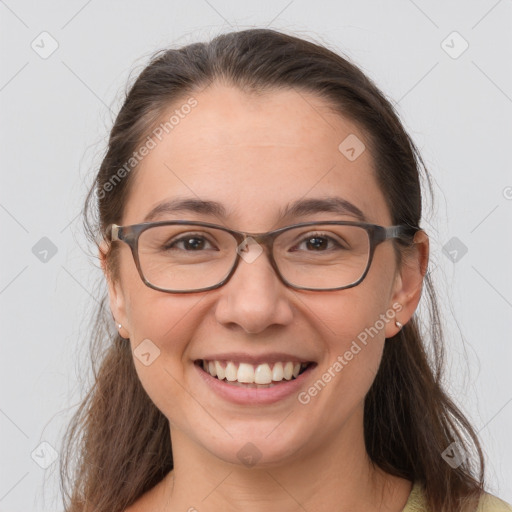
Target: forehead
x,y
255,154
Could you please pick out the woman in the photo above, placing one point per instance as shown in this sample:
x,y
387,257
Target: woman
x,y
260,209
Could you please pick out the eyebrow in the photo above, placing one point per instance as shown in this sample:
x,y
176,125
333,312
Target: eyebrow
x,y
301,207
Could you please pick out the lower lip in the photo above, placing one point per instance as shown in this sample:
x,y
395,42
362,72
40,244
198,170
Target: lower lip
x,y
255,396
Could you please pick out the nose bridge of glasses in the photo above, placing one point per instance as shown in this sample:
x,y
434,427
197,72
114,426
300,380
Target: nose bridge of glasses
x,y
251,245
256,244
251,249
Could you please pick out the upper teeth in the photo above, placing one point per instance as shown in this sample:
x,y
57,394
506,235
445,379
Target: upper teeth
x,y
256,374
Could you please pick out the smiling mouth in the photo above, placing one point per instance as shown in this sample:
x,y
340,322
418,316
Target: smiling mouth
x,y
247,375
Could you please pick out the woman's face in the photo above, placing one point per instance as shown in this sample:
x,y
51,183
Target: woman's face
x,y
255,155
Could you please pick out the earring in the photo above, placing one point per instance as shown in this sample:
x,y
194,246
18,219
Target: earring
x,y
399,325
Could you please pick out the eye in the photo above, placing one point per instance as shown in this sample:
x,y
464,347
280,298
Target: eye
x,y
319,242
190,242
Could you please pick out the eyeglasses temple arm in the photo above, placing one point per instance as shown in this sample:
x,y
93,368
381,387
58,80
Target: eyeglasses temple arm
x,y
114,232
400,231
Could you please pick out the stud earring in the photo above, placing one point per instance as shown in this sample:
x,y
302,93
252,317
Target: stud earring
x,y
119,326
399,325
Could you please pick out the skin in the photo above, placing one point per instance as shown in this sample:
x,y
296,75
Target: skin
x,y
231,148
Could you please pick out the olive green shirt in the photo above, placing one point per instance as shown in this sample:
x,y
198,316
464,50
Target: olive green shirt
x,y
488,503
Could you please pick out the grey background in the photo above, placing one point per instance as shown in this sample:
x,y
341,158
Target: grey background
x,y
55,117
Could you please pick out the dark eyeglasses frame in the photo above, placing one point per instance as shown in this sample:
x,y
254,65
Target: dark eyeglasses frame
x,y
376,235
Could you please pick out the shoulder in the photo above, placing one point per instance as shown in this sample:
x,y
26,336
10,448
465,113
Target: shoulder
x,y
490,503
487,503
416,501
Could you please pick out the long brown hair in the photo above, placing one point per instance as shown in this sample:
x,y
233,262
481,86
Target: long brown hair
x,y
118,445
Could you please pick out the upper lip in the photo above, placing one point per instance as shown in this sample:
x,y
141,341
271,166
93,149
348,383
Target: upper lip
x,y
243,357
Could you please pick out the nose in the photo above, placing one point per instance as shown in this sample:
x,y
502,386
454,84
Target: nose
x,y
254,298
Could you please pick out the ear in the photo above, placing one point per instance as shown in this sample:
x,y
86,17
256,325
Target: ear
x,y
115,294
409,282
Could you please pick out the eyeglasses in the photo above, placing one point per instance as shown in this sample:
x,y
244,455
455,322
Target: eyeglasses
x,y
187,256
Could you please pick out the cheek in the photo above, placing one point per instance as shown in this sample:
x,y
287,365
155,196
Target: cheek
x,y
347,314
162,326
353,345
352,325
161,317
354,333
152,314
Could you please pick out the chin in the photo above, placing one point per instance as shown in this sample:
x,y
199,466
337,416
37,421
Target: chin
x,y
257,449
